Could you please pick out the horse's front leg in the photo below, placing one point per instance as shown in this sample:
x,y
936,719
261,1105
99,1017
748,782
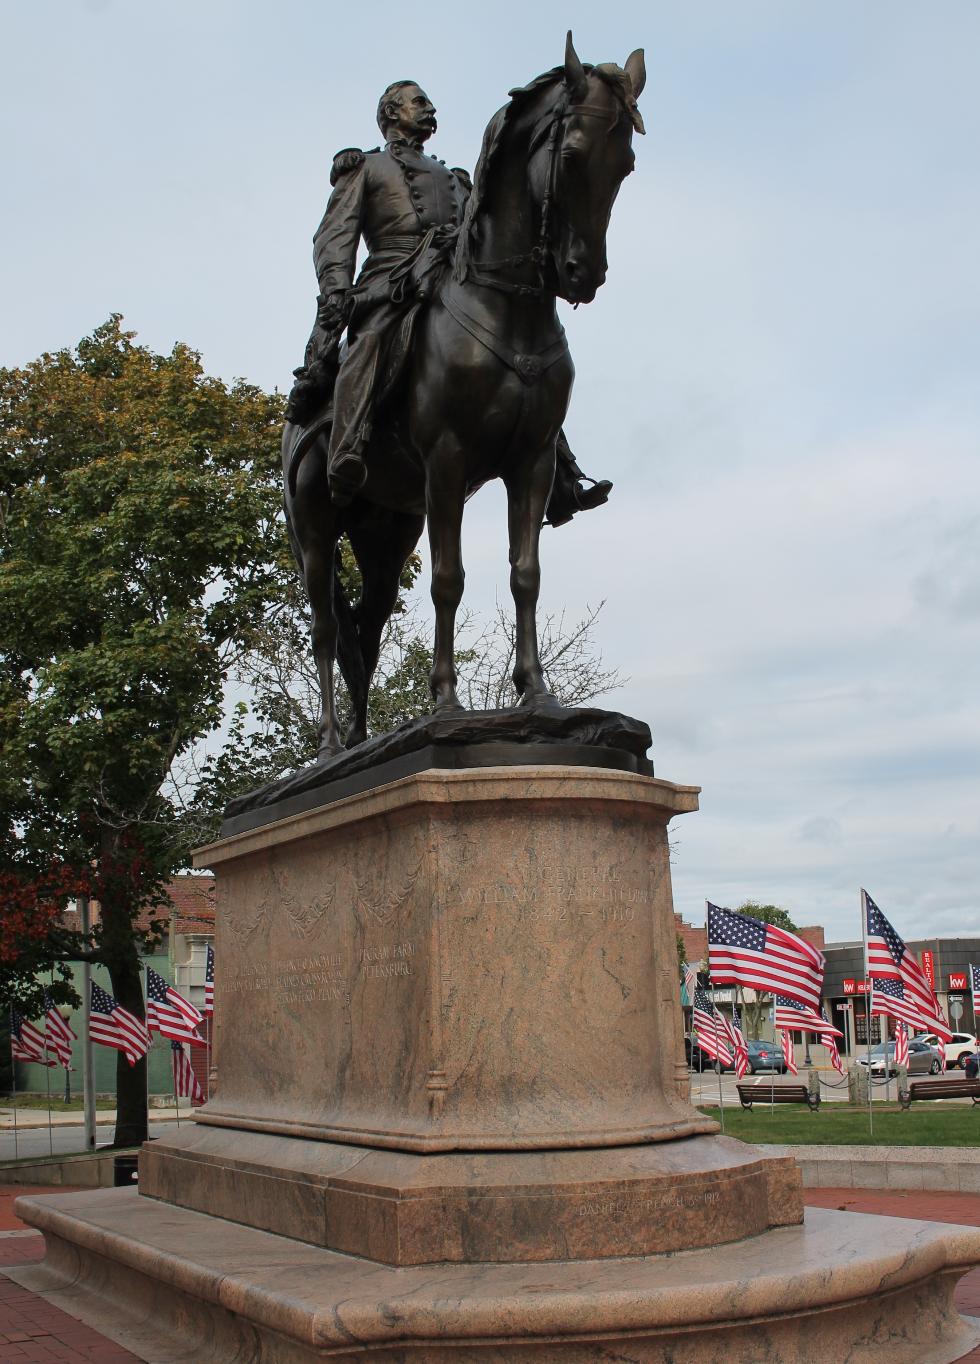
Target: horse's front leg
x,y
528,489
445,493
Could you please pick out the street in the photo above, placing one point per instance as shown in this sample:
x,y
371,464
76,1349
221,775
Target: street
x,y
68,1138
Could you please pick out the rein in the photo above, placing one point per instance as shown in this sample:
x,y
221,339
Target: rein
x,y
538,254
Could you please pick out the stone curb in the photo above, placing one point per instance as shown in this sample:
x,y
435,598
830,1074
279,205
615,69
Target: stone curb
x,y
946,1169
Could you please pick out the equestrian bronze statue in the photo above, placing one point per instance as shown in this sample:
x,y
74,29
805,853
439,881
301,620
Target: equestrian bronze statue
x,y
454,369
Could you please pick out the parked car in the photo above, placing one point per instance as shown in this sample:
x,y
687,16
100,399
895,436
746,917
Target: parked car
x,y
963,1044
923,1059
697,1058
762,1056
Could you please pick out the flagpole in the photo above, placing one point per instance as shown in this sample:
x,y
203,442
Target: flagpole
x,y
721,1094
867,1010
173,1067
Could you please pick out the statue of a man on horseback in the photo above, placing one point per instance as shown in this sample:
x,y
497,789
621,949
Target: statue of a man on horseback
x,y
455,369
408,207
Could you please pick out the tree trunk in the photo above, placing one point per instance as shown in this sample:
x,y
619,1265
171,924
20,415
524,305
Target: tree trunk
x,y
131,1116
126,975
752,1014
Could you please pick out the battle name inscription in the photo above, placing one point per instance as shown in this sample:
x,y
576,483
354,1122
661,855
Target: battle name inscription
x,y
325,976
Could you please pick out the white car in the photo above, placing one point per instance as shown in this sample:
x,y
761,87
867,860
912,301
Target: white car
x,y
964,1044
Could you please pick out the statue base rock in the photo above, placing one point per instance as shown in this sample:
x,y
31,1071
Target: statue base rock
x,y
452,1117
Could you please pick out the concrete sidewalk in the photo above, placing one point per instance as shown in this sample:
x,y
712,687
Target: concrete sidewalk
x,y
30,1118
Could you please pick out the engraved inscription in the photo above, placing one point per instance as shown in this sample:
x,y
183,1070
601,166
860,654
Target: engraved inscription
x,y
631,1206
599,898
386,962
296,980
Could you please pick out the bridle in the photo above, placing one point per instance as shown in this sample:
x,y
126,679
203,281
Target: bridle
x,y
538,255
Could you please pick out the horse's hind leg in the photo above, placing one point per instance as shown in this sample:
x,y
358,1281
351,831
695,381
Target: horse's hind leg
x,y
528,489
382,542
314,528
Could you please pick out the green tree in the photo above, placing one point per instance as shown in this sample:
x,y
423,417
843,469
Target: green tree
x,y
141,549
753,1011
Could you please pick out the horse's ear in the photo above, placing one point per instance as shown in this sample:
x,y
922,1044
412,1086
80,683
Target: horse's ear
x,y
574,71
636,69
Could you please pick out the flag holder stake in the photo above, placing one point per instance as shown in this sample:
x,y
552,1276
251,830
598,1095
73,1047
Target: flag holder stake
x,y
867,1013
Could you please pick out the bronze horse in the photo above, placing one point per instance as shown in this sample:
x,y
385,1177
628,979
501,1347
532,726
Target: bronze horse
x,y
485,390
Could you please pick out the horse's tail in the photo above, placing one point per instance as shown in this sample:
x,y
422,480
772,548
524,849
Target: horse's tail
x,y
350,658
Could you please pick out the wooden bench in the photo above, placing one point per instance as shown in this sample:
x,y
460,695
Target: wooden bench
x,y
952,1088
777,1094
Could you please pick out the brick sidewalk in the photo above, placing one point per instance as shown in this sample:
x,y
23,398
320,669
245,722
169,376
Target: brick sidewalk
x,y
34,1332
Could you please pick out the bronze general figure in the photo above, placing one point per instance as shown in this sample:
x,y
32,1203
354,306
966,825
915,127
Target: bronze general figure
x,y
455,369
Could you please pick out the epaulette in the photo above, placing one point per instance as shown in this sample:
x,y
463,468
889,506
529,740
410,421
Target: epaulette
x,y
347,160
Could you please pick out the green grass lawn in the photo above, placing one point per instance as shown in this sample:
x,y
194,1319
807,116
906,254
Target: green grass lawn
x,y
933,1124
58,1105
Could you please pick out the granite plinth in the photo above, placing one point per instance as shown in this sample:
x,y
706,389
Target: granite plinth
x,y
404,1209
471,961
176,1286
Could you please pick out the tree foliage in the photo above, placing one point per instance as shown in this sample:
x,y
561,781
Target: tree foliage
x,y
144,569
140,549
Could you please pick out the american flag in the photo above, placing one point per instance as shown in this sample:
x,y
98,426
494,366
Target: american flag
x,y
789,1013
789,1055
185,1081
739,1047
26,1041
113,1026
58,1034
744,951
889,960
829,1040
209,982
901,1044
169,1013
710,1029
974,985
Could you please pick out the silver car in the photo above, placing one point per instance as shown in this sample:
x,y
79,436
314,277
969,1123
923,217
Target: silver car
x,y
923,1059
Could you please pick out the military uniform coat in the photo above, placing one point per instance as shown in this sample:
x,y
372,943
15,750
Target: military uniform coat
x,y
391,198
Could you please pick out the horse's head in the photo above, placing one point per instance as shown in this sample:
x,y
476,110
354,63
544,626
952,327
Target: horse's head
x,y
580,172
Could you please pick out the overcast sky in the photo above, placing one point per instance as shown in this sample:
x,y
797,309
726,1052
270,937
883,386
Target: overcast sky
x,y
781,376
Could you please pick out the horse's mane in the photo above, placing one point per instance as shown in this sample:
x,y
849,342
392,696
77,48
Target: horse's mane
x,y
505,121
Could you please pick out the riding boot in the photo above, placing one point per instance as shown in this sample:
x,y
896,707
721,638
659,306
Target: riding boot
x,y
569,493
353,403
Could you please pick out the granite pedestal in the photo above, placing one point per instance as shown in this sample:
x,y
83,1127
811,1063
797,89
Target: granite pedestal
x,y
452,1117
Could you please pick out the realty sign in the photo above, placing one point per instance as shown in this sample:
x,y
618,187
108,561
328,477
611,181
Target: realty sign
x,y
855,987
929,966
958,980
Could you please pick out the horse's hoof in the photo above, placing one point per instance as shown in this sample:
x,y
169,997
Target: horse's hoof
x,y
354,738
541,700
451,706
326,751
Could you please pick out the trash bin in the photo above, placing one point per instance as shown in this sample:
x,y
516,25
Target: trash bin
x,y
125,1171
